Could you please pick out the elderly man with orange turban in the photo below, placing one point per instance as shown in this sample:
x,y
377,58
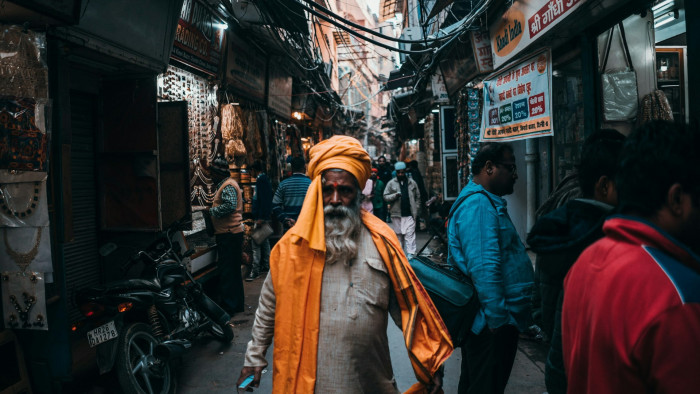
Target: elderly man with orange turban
x,y
334,279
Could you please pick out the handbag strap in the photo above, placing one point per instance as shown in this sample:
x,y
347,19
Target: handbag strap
x,y
452,211
608,44
625,47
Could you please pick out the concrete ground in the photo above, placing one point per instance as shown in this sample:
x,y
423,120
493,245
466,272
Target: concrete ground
x,y
211,367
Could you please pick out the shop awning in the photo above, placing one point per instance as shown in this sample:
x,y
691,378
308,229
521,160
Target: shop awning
x,y
290,16
439,6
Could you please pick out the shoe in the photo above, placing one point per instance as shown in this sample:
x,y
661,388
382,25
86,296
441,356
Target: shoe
x,y
252,276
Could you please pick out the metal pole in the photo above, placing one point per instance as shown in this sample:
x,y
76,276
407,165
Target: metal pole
x,y
531,159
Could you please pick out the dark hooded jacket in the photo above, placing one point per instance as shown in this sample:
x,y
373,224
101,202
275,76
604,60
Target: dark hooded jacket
x,y
558,238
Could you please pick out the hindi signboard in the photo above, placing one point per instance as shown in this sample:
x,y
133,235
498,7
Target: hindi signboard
x,y
524,22
517,101
246,70
482,51
440,95
279,96
198,42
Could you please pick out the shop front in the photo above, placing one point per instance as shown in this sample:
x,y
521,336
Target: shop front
x,y
564,44
82,165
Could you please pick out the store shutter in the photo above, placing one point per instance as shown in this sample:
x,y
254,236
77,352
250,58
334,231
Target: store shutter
x,y
81,253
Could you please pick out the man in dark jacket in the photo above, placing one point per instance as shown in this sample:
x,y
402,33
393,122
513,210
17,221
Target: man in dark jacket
x,y
262,210
385,170
560,236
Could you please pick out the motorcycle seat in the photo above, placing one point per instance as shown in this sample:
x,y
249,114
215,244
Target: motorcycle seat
x,y
133,284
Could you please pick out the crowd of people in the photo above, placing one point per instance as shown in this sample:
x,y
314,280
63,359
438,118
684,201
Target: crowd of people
x,y
614,285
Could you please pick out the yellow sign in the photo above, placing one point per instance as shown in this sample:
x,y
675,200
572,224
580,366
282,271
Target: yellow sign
x,y
510,32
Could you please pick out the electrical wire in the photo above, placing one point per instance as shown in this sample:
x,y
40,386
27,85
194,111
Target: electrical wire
x,y
359,35
370,31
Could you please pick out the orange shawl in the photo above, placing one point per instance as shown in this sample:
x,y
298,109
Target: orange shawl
x,y
297,263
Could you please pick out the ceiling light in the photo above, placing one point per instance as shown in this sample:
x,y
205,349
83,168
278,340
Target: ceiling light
x,y
661,21
663,4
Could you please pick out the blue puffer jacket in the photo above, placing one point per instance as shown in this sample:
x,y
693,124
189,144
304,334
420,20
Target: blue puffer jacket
x,y
483,244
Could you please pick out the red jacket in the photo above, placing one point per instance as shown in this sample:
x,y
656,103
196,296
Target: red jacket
x,y
631,313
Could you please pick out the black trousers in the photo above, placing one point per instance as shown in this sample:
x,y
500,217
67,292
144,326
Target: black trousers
x,y
230,249
487,360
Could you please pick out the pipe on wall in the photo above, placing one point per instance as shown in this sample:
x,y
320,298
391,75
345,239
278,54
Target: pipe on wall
x,y
531,158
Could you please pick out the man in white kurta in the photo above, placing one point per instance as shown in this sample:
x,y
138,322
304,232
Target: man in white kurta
x,y
353,354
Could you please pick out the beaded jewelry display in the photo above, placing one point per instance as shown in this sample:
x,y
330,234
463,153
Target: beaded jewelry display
x,y
11,211
23,312
23,259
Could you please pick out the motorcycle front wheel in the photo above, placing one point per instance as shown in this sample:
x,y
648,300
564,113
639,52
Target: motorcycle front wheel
x,y
138,370
222,332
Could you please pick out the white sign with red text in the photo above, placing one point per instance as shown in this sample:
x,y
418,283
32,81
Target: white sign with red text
x,y
482,51
517,101
524,22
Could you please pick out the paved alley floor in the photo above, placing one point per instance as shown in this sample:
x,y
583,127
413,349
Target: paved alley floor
x,y
212,368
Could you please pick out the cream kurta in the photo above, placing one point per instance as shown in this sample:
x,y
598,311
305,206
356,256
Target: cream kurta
x,y
353,349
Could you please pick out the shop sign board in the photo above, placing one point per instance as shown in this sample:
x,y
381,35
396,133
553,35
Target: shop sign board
x,y
482,51
524,22
458,68
439,89
246,70
198,40
517,101
279,96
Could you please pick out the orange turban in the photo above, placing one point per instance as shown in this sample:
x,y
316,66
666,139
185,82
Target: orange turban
x,y
338,152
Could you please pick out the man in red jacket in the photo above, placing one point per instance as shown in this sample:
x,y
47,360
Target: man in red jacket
x,y
631,314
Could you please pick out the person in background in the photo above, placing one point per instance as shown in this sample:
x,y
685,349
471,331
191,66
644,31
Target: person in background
x,y
334,280
378,198
226,215
631,312
414,173
384,170
368,195
403,195
484,245
567,189
560,236
290,194
262,211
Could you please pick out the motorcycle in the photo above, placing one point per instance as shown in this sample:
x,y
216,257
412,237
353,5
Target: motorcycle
x,y
140,325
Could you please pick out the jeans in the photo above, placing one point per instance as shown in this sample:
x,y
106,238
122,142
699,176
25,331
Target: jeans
x,y
487,360
230,248
261,256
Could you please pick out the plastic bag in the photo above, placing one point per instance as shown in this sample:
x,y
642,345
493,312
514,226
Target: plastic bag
x,y
620,100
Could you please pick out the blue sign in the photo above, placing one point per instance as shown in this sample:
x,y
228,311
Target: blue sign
x,y
520,109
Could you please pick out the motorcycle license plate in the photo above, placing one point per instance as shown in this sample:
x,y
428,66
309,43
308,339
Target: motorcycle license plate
x,y
102,334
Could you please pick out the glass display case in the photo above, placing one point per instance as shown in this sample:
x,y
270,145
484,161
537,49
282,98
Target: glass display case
x,y
670,78
567,108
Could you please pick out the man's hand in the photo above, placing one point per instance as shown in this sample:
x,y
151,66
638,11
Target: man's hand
x,y
289,223
247,371
436,386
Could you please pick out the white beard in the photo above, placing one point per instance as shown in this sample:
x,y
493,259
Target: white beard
x,y
343,226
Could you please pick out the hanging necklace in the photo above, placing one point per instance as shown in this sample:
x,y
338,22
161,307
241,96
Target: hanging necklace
x,y
5,204
23,259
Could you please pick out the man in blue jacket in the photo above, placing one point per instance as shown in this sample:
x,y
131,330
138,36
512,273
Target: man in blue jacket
x,y
483,244
290,194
